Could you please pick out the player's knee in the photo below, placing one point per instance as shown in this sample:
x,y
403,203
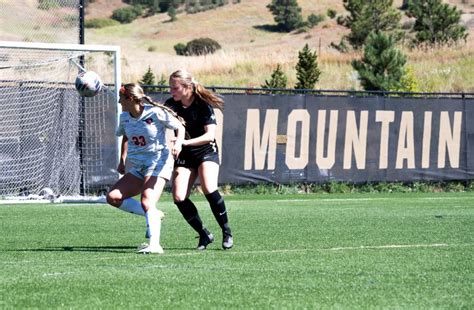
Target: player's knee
x,y
113,199
179,197
147,203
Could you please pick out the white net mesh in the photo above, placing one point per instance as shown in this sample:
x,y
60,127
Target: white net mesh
x,y
40,20
50,137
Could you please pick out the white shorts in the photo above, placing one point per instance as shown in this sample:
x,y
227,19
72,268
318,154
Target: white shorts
x,y
160,167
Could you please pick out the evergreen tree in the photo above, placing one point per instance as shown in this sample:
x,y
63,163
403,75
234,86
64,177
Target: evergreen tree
x,y
162,81
172,13
404,5
148,79
278,79
354,7
368,16
287,14
307,71
436,23
382,66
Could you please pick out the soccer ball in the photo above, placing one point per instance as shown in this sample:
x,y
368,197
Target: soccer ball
x,y
88,83
47,193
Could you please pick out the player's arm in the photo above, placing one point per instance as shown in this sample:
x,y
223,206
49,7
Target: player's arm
x,y
178,141
208,136
123,155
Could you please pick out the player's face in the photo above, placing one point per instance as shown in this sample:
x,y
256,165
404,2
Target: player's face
x,y
179,91
127,103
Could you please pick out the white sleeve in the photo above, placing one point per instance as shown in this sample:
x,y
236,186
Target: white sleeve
x,y
120,131
167,119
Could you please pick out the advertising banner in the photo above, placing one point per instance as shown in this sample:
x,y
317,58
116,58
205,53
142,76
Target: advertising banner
x,y
309,138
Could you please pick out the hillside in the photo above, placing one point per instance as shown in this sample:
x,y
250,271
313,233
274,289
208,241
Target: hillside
x,y
250,53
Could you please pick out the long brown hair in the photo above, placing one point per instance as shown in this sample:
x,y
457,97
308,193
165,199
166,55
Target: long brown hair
x,y
135,92
186,79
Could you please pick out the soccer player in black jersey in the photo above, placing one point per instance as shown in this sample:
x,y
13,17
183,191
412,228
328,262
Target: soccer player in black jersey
x,y
199,156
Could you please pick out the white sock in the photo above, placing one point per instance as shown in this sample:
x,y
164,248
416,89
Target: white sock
x,y
153,223
131,205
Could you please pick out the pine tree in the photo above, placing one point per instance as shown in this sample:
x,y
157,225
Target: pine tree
x,y
368,16
148,79
278,79
436,23
404,5
287,14
307,71
354,7
382,66
172,14
162,81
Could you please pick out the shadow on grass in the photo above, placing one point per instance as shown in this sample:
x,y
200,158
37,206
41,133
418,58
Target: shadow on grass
x,y
113,249
269,28
104,249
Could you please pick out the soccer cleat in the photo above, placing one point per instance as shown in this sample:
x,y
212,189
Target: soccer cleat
x,y
205,240
151,249
142,246
227,242
162,215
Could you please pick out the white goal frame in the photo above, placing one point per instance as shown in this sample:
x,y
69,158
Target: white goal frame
x,y
73,47
45,196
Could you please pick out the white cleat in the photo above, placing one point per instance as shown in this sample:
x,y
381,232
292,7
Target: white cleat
x,y
161,214
151,249
227,242
142,246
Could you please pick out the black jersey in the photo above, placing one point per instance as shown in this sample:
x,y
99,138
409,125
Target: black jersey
x,y
197,116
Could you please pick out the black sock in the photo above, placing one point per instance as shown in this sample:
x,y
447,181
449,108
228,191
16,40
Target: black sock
x,y
191,215
218,209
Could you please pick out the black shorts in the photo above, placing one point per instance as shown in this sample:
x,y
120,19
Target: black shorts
x,y
194,161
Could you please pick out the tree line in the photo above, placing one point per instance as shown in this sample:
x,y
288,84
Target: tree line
x,y
375,29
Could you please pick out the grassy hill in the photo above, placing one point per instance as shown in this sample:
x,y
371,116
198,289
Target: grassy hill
x,y
250,54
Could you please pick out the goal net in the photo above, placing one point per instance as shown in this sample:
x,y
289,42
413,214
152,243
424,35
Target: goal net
x,y
55,144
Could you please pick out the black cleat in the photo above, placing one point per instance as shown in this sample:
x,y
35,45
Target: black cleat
x,y
204,241
227,242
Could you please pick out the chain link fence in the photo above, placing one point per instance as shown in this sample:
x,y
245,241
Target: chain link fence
x,y
164,89
46,21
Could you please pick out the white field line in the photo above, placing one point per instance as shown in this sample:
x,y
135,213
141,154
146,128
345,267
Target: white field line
x,y
389,246
233,252
365,199
57,274
362,247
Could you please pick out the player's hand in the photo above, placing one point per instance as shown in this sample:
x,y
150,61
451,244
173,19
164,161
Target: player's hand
x,y
176,149
121,168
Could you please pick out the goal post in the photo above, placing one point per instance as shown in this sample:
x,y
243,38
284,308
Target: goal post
x,y
55,144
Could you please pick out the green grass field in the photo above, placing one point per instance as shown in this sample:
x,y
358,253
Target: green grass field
x,y
353,251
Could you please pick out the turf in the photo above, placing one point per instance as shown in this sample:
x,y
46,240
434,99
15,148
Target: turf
x,y
292,252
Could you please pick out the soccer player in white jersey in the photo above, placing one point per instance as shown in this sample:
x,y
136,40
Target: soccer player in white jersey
x,y
143,125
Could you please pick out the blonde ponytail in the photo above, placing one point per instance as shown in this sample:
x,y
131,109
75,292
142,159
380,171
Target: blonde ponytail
x,y
135,92
186,79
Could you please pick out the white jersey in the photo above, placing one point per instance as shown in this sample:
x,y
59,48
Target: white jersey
x,y
146,134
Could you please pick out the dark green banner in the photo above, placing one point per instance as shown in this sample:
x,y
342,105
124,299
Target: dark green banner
x,y
306,138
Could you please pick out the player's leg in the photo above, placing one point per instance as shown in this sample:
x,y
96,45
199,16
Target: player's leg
x,y
120,195
183,180
151,193
208,174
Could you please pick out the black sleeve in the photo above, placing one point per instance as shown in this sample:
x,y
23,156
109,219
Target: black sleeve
x,y
170,103
208,114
